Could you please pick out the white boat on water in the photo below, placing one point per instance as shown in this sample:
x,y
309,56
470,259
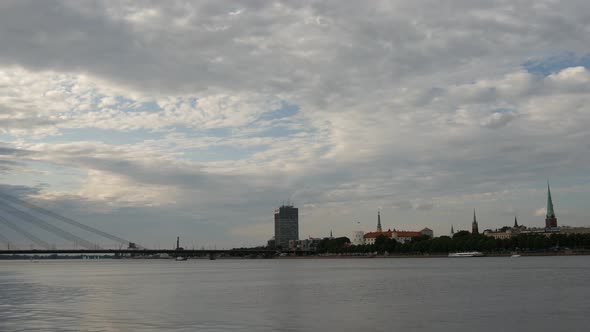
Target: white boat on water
x,y
180,258
466,254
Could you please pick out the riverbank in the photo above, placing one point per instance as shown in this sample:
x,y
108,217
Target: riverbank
x,y
322,256
441,255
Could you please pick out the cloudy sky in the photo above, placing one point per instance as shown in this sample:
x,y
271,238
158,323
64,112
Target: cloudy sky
x,y
152,119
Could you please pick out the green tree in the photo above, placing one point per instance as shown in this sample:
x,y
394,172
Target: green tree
x,y
461,234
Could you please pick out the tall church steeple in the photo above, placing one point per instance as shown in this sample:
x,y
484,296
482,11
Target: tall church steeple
x,y
515,222
452,231
379,229
474,226
550,219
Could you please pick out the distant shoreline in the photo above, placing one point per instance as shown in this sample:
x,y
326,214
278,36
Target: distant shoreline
x,y
333,256
544,254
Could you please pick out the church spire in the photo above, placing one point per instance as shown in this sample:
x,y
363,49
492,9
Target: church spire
x,y
452,230
379,229
515,222
550,219
474,226
550,212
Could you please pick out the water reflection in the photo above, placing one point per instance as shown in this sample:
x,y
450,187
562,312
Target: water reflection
x,y
296,295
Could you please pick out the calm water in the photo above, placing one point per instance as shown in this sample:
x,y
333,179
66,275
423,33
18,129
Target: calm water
x,y
464,294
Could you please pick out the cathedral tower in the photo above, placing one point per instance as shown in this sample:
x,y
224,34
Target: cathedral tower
x,y
550,219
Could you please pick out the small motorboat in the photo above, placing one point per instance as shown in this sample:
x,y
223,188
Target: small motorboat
x,y
467,254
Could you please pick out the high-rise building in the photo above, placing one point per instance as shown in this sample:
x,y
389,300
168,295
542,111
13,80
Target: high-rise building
x,y
286,225
474,226
550,219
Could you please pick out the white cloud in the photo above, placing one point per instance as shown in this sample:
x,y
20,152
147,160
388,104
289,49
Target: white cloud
x,y
400,104
498,120
541,212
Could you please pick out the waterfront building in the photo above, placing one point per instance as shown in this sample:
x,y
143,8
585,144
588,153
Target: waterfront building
x,y
540,230
286,225
499,234
406,236
428,232
370,237
271,243
399,236
310,244
574,230
550,219
474,226
358,238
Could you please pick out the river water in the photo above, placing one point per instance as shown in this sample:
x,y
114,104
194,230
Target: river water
x,y
413,294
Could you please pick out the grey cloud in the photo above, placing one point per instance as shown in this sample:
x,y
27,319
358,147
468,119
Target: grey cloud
x,y
402,205
7,165
424,206
194,47
11,158
26,123
19,191
143,168
8,151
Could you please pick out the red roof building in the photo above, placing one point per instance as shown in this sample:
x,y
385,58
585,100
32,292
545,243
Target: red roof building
x,y
400,236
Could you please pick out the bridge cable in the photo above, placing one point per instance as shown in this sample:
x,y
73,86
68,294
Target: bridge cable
x,y
64,219
47,226
25,233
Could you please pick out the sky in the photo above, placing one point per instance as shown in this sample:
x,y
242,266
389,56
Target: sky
x,y
152,119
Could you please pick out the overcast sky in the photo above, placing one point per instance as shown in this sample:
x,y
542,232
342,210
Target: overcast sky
x,y
156,119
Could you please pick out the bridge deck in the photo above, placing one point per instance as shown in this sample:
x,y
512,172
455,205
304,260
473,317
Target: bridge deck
x,y
140,251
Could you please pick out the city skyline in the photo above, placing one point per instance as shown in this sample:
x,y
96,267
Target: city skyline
x,y
163,119
550,220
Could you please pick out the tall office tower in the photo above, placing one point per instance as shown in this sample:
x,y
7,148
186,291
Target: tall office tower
x,y
550,219
286,225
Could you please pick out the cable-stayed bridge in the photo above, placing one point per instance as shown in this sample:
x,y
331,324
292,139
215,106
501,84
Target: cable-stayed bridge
x,y
25,223
26,228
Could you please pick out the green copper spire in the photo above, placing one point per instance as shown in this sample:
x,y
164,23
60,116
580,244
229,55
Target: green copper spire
x,y
550,212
